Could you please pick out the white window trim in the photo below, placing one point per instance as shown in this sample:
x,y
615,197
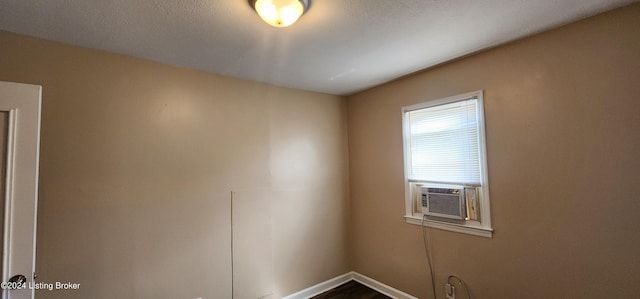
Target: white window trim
x,y
479,228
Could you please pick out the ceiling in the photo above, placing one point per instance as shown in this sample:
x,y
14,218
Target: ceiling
x,y
338,47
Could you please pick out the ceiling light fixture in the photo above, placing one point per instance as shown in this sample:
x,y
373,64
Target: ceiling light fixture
x,y
280,13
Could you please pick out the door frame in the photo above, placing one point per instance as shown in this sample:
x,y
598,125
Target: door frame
x,y
23,102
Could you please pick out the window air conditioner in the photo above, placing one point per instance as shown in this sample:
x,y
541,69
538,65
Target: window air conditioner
x,y
443,202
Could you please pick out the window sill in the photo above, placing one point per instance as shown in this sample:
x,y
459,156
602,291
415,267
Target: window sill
x,y
465,229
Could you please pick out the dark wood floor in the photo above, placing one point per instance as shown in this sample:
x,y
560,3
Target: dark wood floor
x,y
351,290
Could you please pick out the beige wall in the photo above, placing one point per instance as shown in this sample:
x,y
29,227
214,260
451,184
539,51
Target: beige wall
x,y
563,137
138,162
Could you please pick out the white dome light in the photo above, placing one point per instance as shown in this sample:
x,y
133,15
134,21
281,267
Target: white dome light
x,y
280,13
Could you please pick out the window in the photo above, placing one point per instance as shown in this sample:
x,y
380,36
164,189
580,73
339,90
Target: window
x,y
446,183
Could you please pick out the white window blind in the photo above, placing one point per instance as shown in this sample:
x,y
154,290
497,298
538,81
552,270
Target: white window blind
x,y
444,143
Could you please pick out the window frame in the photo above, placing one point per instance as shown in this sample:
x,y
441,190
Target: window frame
x,y
478,228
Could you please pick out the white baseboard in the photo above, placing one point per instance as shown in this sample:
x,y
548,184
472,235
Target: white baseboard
x,y
321,287
337,281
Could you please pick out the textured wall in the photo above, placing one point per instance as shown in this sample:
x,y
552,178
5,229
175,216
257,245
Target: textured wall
x,y
138,162
562,123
